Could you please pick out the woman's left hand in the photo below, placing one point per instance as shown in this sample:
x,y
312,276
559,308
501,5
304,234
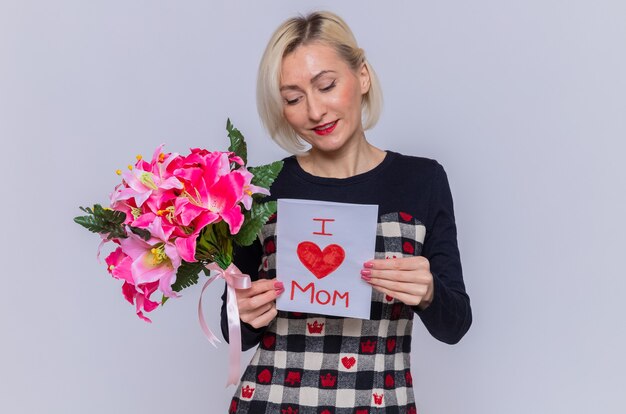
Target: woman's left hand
x,y
407,279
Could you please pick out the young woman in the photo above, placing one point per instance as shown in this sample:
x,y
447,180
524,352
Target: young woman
x,y
316,90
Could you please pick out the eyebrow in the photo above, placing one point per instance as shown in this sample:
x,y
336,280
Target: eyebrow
x,y
313,80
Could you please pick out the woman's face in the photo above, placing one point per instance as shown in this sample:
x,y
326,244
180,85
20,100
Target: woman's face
x,y
322,97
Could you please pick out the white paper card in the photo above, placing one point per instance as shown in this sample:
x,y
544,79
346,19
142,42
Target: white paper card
x,y
321,248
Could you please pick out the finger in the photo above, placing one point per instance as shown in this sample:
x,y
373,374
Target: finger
x,y
406,276
265,319
398,263
255,313
418,289
257,287
251,303
411,300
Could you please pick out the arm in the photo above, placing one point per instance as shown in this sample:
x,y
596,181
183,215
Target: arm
x,y
432,284
448,316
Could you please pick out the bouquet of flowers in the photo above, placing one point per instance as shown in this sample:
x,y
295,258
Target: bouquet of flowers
x,y
176,216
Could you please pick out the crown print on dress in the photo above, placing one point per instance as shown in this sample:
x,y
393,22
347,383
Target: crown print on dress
x,y
328,380
378,398
368,347
315,327
247,391
265,376
289,410
293,378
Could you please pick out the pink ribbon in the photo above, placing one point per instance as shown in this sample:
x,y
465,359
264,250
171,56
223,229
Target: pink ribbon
x,y
234,280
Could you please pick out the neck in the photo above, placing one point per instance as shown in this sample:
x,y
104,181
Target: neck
x,y
343,163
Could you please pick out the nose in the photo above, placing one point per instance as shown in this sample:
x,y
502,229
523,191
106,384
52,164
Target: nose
x,y
316,109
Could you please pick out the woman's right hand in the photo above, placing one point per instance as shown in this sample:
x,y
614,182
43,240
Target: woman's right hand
x,y
257,304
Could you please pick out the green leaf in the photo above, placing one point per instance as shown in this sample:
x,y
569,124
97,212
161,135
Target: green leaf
x,y
253,221
205,246
187,275
223,260
103,220
143,233
237,142
265,175
215,241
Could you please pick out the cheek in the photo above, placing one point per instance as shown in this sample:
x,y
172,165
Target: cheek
x,y
293,117
349,99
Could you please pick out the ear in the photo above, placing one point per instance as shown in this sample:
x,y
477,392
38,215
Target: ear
x,y
364,79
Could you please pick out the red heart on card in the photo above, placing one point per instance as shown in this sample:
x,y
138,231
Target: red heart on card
x,y
320,262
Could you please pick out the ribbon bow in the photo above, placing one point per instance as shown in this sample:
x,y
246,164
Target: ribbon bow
x,y
234,280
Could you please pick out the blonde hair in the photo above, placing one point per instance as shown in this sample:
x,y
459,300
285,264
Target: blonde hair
x,y
321,27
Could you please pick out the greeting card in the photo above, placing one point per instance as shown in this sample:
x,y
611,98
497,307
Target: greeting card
x,y
321,248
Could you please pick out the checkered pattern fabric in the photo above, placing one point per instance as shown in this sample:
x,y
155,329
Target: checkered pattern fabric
x,y
308,363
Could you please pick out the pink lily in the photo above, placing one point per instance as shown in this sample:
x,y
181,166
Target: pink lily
x,y
140,297
211,189
141,185
220,200
201,166
147,178
154,260
119,265
249,188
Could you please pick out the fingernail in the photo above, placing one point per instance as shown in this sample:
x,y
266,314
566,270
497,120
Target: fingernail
x,y
279,291
279,285
365,272
365,277
369,265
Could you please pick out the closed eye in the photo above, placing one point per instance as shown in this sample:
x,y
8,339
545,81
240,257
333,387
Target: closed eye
x,y
329,87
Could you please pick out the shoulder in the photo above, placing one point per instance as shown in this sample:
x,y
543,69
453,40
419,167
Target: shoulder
x,y
286,181
416,166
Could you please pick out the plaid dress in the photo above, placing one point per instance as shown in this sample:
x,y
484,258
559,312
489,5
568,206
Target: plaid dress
x,y
310,363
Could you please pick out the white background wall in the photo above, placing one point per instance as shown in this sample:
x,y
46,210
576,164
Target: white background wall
x,y
523,102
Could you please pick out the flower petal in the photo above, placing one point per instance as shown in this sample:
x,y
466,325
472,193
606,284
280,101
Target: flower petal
x,y
144,272
123,270
129,291
233,218
134,246
186,247
165,285
144,220
226,192
186,211
170,183
158,231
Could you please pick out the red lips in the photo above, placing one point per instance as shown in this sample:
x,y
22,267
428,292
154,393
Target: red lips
x,y
325,129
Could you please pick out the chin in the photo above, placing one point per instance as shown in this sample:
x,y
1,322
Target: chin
x,y
328,147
